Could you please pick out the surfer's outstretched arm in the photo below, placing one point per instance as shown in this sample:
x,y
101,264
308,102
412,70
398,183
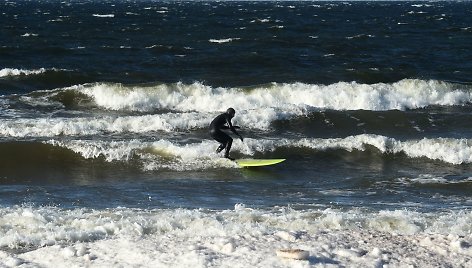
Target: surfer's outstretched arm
x,y
233,129
226,127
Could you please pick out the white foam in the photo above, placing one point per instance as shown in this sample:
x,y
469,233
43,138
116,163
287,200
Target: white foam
x,y
157,155
241,237
104,15
112,151
29,35
294,99
79,126
17,72
224,40
360,36
421,5
454,151
43,101
433,179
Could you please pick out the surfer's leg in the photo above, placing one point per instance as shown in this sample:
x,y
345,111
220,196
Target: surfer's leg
x,y
228,147
222,138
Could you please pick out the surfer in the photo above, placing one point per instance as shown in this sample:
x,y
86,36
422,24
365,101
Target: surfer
x,y
221,122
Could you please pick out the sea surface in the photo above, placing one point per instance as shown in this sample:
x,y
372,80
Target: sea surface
x,y
105,108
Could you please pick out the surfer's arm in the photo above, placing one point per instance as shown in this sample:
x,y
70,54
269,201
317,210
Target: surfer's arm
x,y
226,127
233,128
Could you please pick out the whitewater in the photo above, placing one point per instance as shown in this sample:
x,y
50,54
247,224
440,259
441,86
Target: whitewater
x,y
239,237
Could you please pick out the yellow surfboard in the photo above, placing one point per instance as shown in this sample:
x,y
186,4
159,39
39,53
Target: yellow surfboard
x,y
258,162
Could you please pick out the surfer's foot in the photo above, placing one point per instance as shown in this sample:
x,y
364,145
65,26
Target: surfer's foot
x,y
228,157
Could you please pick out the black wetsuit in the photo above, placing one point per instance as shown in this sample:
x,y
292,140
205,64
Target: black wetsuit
x,y
222,121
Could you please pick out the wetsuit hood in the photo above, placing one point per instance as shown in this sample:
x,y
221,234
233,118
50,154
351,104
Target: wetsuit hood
x,y
231,112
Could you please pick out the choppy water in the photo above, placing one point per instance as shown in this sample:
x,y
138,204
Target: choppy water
x,y
106,104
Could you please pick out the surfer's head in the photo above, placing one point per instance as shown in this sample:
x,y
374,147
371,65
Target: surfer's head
x,y
231,112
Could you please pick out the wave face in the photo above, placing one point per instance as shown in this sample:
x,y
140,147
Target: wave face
x,y
166,154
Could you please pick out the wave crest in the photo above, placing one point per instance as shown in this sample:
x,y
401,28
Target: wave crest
x,y
294,98
8,72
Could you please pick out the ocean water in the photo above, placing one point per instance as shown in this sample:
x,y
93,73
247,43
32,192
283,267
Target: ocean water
x,y
106,160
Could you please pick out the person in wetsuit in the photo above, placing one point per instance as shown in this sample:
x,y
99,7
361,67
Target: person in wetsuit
x,y
223,121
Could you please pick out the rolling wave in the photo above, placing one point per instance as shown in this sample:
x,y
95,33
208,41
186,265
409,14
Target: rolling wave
x,y
14,80
293,98
452,151
434,122
118,108
166,154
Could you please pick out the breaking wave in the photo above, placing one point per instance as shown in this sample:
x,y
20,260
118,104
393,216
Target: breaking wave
x,y
167,154
292,98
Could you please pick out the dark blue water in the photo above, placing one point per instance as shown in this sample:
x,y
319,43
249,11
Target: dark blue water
x,y
312,42
110,100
